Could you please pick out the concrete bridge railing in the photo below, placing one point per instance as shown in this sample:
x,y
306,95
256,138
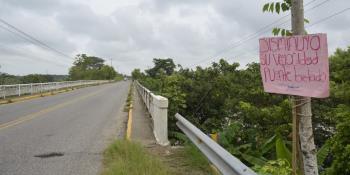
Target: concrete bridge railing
x,y
33,88
157,106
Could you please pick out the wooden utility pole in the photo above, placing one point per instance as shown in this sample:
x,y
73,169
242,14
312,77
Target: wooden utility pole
x,y
302,108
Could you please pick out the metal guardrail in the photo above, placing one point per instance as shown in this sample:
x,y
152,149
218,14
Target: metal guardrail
x,y
157,106
33,88
223,160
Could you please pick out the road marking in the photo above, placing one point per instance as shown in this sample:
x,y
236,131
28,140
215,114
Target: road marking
x,y
128,130
45,111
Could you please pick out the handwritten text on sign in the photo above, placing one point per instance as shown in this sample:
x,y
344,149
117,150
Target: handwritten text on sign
x,y
296,65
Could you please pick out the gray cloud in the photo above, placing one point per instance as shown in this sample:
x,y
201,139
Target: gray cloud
x,y
133,32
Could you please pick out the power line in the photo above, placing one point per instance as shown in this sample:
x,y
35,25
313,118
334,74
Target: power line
x,y
32,39
328,17
318,21
32,56
276,21
14,33
257,33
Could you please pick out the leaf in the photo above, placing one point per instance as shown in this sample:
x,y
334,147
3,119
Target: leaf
x,y
284,7
278,7
181,136
268,145
254,160
306,21
283,32
271,7
282,151
289,33
323,152
266,7
245,146
276,31
289,2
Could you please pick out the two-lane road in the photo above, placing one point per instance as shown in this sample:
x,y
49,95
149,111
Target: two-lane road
x,y
61,134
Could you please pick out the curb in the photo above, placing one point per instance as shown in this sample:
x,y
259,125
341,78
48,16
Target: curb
x,y
129,126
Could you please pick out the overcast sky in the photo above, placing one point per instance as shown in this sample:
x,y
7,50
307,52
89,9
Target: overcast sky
x,y
133,32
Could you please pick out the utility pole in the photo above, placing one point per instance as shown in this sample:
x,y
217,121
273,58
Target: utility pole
x,y
302,108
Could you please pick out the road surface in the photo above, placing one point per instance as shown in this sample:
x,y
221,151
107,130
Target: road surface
x,y
61,134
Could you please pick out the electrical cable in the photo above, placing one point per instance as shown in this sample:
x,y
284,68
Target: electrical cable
x,y
32,39
257,33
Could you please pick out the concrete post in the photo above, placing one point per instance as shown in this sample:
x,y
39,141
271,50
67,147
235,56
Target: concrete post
x,y
4,94
160,119
19,89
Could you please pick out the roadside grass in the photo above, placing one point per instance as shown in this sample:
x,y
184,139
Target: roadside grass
x,y
188,160
125,157
195,158
129,99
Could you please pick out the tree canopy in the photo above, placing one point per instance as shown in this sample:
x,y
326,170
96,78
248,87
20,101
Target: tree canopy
x,y
166,66
91,68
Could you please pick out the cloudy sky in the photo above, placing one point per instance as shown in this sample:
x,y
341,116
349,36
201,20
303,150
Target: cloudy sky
x,y
133,32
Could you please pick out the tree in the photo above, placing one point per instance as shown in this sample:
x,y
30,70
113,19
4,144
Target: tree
x,y
279,7
90,68
340,142
37,78
6,79
166,65
108,72
136,74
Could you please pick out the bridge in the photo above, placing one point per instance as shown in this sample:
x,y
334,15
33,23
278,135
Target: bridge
x,y
66,133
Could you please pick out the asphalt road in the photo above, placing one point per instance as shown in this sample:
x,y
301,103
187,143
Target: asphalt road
x,y
61,134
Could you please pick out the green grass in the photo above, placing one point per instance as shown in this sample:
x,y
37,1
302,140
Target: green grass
x,y
195,158
129,99
189,160
129,158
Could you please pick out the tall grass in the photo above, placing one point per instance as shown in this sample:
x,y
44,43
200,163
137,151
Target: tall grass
x,y
129,158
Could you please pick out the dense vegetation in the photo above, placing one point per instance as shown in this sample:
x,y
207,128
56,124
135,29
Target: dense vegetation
x,y
31,78
253,125
91,68
84,68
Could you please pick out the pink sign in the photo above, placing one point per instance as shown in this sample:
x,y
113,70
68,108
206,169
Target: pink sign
x,y
296,65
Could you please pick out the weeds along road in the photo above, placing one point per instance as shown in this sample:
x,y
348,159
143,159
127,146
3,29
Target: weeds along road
x,y
61,134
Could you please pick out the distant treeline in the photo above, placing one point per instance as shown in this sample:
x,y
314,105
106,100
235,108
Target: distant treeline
x,y
84,68
31,78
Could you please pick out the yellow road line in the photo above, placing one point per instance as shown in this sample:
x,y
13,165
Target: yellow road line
x,y
45,111
128,130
